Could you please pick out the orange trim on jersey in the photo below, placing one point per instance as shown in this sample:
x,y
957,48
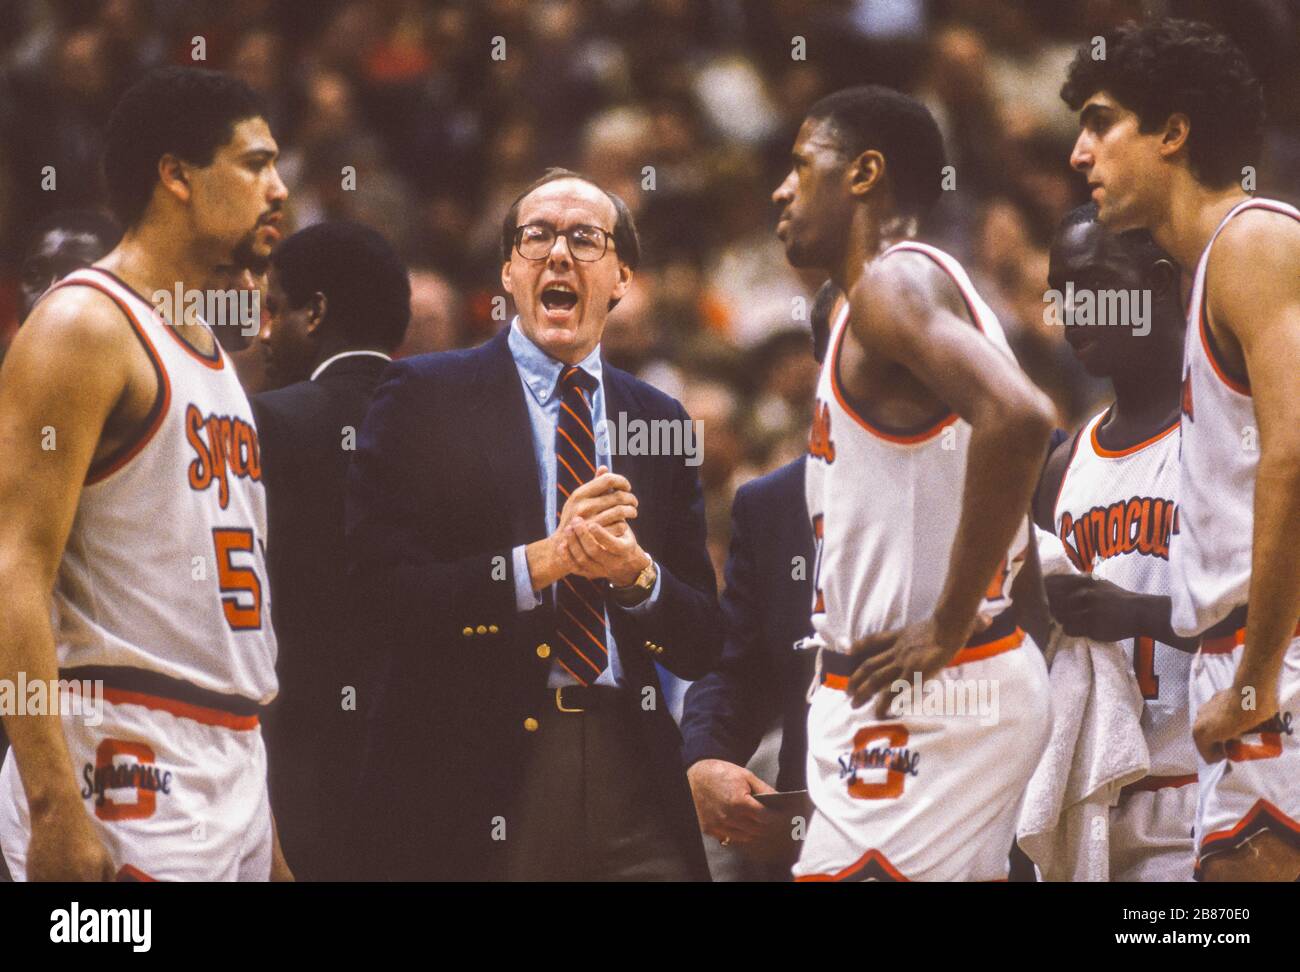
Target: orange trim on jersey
x,y
162,400
988,649
1262,816
1224,644
1207,342
926,433
185,710
867,860
840,682
216,362
1240,386
1150,783
1105,453
129,872
1065,473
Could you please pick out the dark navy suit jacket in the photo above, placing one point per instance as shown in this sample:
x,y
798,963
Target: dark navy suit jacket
x,y
443,485
767,605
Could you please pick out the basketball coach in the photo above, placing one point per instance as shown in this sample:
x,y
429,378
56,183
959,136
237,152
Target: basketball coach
x,y
521,582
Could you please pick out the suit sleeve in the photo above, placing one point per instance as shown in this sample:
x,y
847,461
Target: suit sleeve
x,y
727,711
398,579
685,620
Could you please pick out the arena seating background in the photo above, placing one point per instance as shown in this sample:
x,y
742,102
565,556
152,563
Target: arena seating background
x,y
706,92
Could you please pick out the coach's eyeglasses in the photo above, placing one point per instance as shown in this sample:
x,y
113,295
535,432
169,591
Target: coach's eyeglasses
x,y
534,241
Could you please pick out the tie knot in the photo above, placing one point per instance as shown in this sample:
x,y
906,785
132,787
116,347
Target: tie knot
x,y
575,377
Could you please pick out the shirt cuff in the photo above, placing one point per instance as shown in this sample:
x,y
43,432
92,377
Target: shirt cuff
x,y
525,597
649,602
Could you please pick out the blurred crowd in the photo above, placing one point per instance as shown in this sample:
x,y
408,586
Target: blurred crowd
x,y
686,108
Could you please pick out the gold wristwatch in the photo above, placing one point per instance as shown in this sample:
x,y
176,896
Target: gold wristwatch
x,y
641,588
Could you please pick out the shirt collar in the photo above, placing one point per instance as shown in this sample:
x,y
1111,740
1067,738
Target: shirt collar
x,y
344,354
538,369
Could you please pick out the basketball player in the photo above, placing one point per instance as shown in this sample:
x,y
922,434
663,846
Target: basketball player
x,y
131,494
926,444
1170,120
1108,493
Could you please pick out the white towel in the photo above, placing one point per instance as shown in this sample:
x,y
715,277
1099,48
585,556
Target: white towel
x,y
1096,748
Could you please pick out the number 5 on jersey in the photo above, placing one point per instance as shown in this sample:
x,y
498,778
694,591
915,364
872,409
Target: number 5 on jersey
x,y
241,590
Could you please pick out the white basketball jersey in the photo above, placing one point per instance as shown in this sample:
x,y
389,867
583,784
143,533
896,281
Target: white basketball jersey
x,y
1114,514
1211,552
165,566
885,503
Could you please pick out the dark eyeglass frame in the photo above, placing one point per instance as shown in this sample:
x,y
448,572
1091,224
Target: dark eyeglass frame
x,y
606,236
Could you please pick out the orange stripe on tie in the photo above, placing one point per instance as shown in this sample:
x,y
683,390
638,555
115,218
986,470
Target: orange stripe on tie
x,y
576,477
594,640
584,601
576,449
578,652
565,406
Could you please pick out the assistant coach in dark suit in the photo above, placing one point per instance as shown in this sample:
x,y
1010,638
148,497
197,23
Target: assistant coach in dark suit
x,y
521,593
763,676
337,303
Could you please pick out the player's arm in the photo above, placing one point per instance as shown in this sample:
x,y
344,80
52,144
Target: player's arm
x,y
62,378
1254,292
904,308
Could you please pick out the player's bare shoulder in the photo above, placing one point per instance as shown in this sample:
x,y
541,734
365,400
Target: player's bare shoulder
x,y
77,353
1256,256
902,289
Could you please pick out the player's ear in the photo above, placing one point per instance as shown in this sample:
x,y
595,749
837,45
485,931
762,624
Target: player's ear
x,y
505,278
1177,127
171,173
1163,277
866,172
316,309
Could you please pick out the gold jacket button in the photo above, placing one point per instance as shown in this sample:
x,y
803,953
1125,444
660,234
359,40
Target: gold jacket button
x,y
543,651
467,632
493,629
481,629
530,724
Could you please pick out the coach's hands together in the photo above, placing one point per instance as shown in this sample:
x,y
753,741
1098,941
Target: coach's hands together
x,y
65,847
593,538
725,805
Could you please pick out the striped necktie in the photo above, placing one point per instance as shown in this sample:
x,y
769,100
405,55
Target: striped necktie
x,y
580,603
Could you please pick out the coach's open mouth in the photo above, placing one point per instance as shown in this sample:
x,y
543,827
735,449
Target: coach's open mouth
x,y
559,301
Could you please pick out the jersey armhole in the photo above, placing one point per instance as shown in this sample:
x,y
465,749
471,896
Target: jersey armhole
x,y
104,467
1052,481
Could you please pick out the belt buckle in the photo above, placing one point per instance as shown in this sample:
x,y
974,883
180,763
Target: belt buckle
x,y
559,701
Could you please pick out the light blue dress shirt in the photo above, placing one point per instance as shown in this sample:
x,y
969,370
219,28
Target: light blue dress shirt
x,y
540,375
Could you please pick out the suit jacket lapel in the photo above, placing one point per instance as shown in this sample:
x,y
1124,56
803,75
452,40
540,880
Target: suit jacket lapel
x,y
622,407
500,423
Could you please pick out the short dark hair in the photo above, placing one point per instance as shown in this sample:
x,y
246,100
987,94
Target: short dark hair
x,y
902,129
1169,66
627,244
365,282
1138,243
91,222
186,111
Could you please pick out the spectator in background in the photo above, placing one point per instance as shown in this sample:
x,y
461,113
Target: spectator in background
x,y
337,306
64,241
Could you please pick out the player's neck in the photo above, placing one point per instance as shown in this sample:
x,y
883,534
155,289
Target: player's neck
x,y
868,238
149,262
1194,213
1145,404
